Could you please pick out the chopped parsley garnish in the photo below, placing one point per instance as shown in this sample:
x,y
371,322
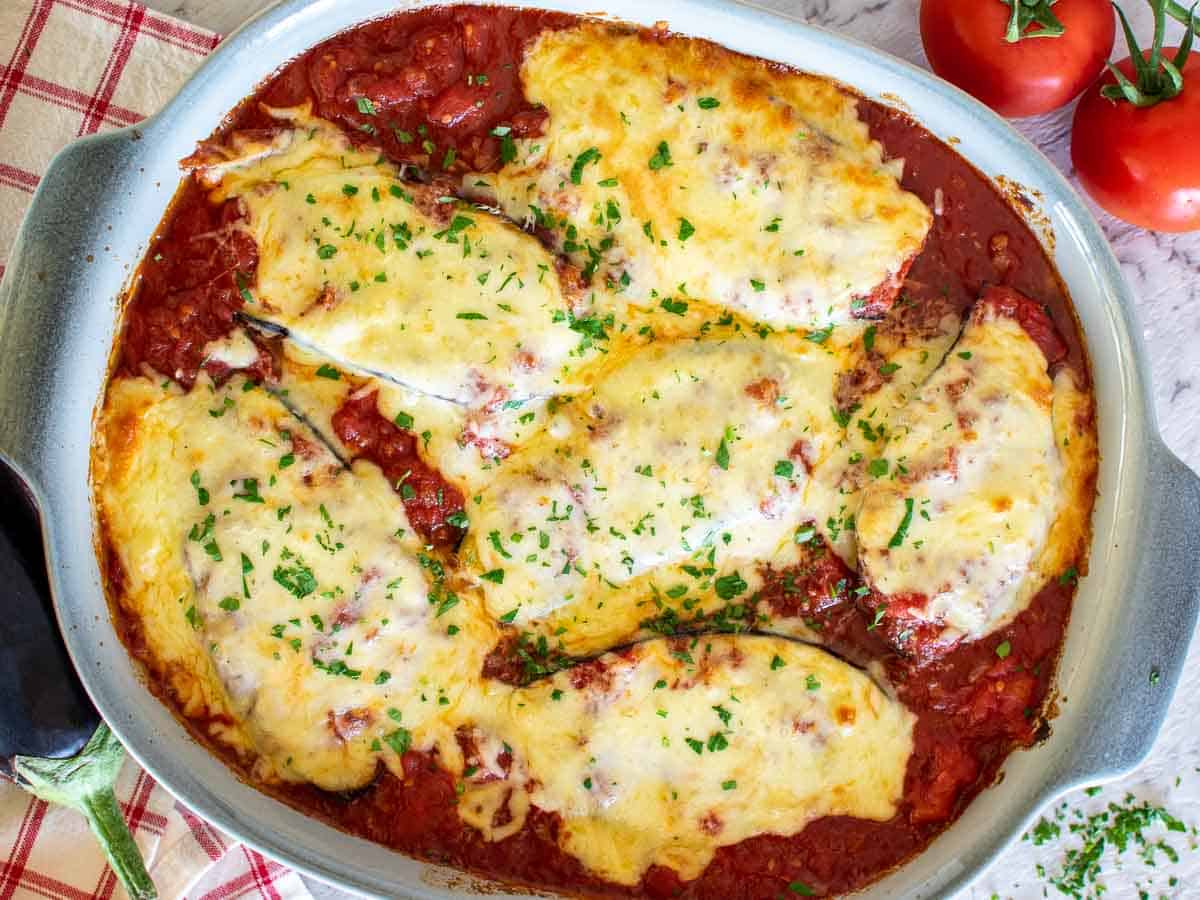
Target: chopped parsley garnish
x,y
588,156
496,576
820,336
686,229
470,315
784,468
902,528
697,746
365,106
201,492
297,579
243,288
730,586
230,604
777,662
661,157
494,540
675,307
403,420
723,452
805,534
399,740
508,148
1003,649
249,492
326,251
337,667
708,103
1116,826
328,371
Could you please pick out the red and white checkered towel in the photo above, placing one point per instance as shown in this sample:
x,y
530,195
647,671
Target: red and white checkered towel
x,y
70,68
75,67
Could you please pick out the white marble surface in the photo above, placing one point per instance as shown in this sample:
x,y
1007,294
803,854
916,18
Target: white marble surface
x,y
1164,271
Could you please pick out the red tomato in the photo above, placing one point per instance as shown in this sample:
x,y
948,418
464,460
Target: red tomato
x,y
1142,165
964,40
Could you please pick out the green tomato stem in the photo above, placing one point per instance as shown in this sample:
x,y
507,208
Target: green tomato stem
x,y
1156,78
1028,13
1180,13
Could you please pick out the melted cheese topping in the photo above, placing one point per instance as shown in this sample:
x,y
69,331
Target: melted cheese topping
x,y
982,481
285,593
630,460
759,188
381,276
660,488
669,753
259,564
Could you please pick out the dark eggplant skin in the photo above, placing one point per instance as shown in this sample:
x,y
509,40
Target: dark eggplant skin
x,y
44,710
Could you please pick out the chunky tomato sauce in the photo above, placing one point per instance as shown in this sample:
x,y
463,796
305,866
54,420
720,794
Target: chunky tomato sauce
x,y
429,500
439,89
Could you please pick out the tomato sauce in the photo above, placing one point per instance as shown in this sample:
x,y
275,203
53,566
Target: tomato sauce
x,y
439,89
429,500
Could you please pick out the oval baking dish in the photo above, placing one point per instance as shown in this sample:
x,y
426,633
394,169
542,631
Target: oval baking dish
x,y
1139,602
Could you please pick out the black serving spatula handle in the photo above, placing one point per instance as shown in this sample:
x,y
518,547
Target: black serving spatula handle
x,y
44,711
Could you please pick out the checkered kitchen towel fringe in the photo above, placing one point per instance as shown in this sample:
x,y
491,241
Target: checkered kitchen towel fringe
x,y
70,68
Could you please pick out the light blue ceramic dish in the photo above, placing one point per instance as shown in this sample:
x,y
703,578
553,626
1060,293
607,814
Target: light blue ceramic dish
x,y
100,201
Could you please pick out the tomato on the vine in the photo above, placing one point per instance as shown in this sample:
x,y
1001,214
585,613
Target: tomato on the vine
x,y
1020,57
1135,142
1142,165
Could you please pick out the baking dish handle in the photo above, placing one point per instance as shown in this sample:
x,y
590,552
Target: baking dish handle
x,y
60,279
44,710
1140,671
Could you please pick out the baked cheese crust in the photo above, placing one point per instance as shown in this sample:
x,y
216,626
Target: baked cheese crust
x,y
661,754
757,188
647,370
667,482
283,592
955,534
396,280
278,589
